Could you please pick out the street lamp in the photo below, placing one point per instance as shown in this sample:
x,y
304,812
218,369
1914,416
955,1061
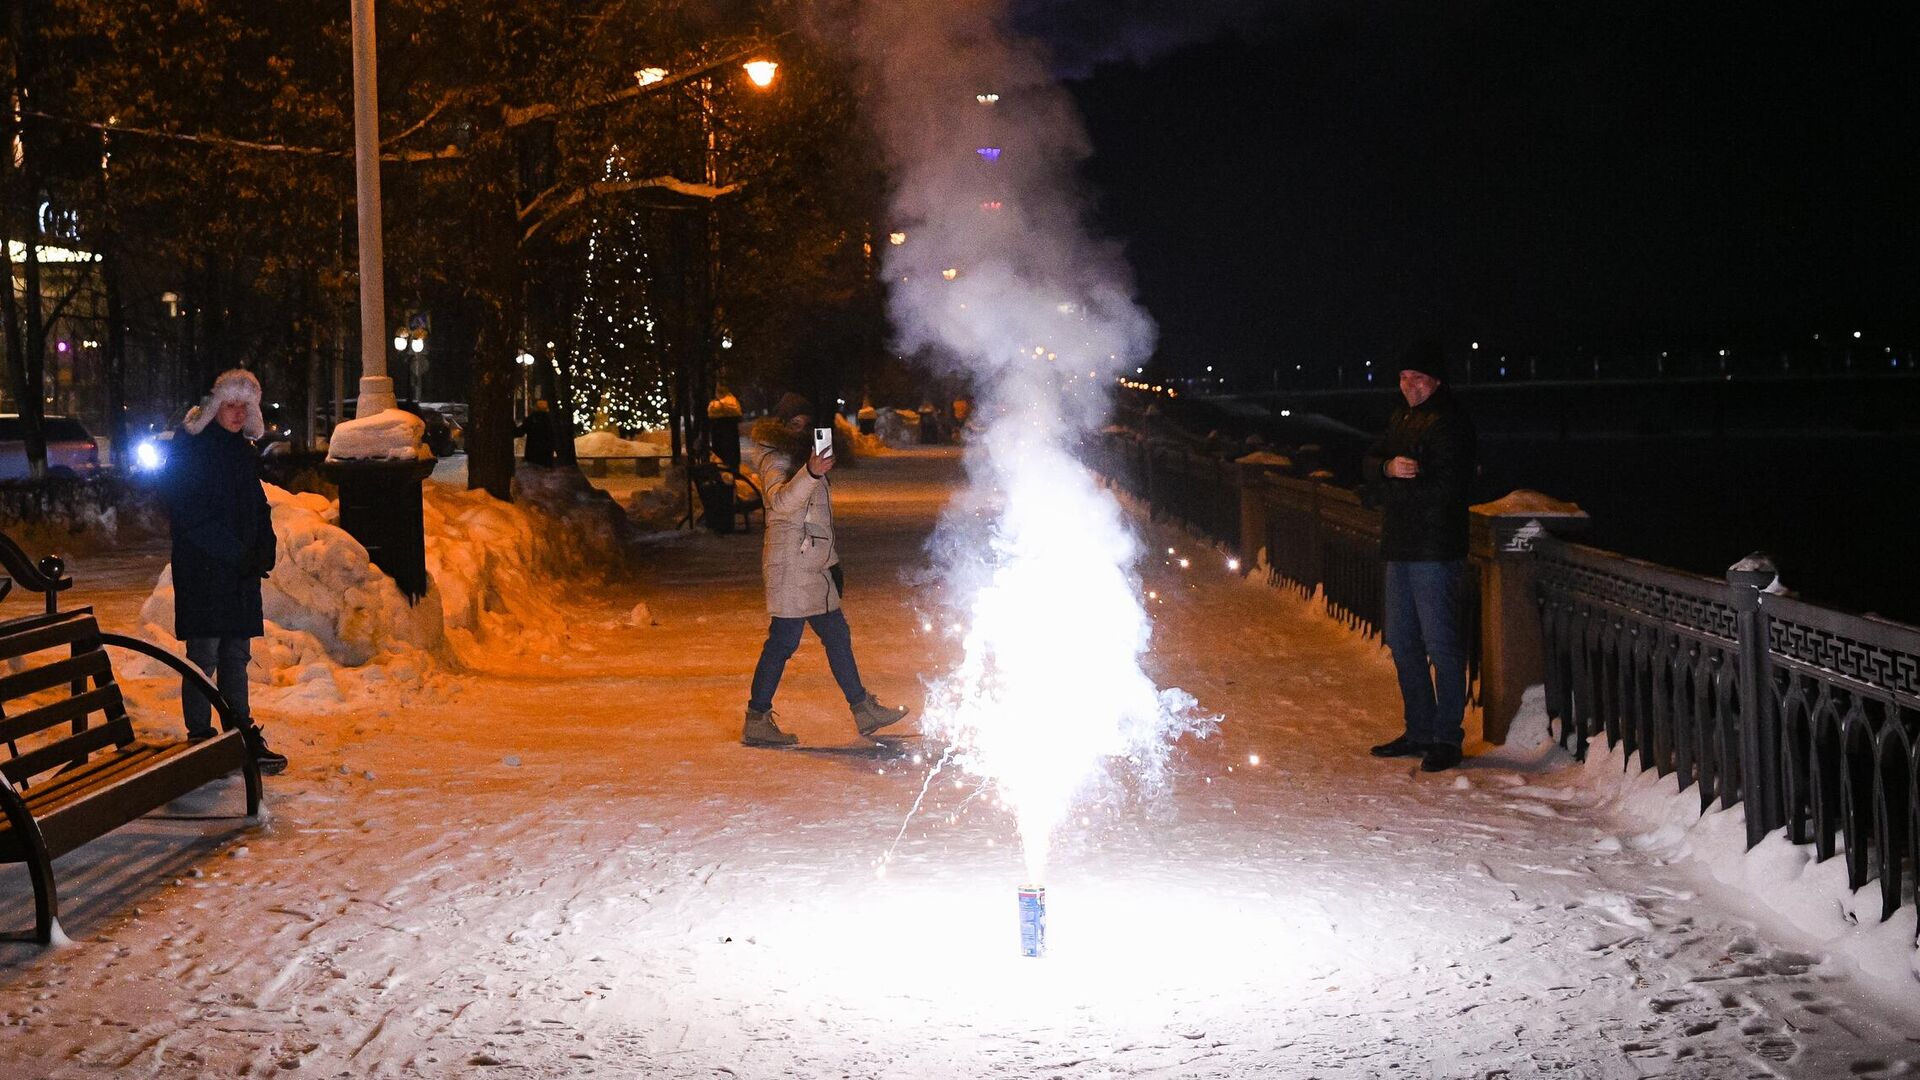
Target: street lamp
x,y
761,72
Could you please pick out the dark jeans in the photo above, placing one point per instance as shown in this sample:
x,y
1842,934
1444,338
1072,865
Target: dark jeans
x,y
1424,628
783,636
224,660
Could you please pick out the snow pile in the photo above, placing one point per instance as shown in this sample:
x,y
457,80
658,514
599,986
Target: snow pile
x,y
845,433
1805,898
1267,458
608,444
335,622
1533,503
586,533
389,435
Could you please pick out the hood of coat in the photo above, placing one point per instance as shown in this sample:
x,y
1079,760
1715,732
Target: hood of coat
x,y
772,434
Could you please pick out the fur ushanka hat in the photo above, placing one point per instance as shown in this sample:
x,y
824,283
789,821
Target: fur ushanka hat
x,y
235,385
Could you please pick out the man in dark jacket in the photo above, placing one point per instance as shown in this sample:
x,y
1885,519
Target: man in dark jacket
x,y
1420,471
539,430
223,544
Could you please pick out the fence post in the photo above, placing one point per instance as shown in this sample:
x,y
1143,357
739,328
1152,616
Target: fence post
x,y
1759,721
1253,517
1512,652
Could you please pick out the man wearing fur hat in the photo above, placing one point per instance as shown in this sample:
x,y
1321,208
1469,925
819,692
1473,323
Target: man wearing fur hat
x,y
1420,470
223,544
802,572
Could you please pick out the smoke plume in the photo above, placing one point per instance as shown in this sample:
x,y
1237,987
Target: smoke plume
x,y
992,274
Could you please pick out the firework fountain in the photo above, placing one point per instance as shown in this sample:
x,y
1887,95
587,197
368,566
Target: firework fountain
x,y
992,273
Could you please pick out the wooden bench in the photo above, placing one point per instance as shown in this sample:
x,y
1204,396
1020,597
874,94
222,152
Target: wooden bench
x,y
596,464
75,769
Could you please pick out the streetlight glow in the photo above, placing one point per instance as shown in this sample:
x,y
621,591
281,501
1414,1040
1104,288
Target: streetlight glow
x,y
761,72
896,238
647,76
399,341
418,344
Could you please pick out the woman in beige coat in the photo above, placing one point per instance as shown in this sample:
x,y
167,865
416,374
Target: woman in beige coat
x,y
802,572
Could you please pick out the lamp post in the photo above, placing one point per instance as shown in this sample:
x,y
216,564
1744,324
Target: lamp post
x,y
380,496
376,388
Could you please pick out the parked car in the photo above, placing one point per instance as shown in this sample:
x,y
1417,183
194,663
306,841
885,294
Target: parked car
x,y
71,449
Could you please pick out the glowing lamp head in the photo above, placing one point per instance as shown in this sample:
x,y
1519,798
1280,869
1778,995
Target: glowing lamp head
x,y
418,344
896,238
147,456
399,341
761,72
950,273
647,76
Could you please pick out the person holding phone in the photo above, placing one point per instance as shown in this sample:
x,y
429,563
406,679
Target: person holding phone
x,y
791,460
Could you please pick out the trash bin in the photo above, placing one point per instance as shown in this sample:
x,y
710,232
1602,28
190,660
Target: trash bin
x,y
380,506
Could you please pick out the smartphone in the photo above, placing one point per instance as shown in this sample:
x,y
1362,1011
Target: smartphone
x,y
823,441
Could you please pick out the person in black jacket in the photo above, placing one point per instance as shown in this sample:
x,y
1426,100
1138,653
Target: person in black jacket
x,y
223,544
1420,471
538,428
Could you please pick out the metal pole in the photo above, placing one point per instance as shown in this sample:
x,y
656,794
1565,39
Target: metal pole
x,y
376,389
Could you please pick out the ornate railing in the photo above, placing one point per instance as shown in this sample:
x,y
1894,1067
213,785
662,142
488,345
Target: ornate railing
x,y
1318,538
1805,716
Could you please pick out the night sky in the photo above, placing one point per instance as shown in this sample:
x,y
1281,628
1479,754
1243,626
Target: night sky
x,y
1313,182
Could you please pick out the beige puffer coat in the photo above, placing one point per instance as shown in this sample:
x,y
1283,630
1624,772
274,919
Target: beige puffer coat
x,y
798,547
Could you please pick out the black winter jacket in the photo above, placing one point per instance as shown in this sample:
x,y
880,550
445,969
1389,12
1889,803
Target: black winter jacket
x,y
223,540
1425,518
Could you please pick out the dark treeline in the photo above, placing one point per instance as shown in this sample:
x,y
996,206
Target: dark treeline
x,y
179,199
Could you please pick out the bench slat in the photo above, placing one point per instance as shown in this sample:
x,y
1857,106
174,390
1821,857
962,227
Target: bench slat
x,y
46,632
103,698
33,680
73,748
73,782
165,773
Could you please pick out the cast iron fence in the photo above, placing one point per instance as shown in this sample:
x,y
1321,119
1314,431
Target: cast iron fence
x,y
1318,537
1806,716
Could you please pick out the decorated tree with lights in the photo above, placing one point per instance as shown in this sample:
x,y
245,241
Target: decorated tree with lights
x,y
616,373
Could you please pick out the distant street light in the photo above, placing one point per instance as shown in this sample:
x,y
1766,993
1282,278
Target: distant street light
x,y
761,72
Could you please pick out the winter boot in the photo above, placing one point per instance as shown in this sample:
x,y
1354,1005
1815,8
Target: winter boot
x,y
870,716
270,763
760,730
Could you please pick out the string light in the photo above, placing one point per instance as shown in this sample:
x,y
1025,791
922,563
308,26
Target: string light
x,y
615,372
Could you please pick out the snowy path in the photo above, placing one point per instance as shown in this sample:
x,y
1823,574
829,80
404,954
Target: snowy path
x,y
574,868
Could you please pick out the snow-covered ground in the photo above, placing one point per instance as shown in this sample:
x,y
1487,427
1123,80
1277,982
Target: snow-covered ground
x,y
567,865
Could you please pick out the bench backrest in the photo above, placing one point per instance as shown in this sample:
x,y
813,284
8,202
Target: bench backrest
x,y
58,679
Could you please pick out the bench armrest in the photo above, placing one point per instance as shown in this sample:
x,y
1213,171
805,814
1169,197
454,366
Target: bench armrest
x,y
193,676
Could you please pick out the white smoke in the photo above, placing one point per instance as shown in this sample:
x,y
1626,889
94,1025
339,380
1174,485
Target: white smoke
x,y
992,274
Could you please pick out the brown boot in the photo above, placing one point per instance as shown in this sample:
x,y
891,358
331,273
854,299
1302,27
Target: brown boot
x,y
870,716
760,730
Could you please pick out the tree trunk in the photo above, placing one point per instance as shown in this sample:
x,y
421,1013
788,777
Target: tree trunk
x,y
490,397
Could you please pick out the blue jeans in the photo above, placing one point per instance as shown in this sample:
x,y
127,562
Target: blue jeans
x,y
224,659
1423,628
783,636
